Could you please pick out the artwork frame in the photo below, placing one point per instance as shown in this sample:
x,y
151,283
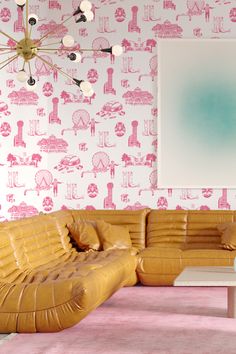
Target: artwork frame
x,y
196,113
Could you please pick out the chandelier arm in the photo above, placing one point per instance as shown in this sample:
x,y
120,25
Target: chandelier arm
x,y
7,48
30,32
54,67
81,50
23,21
5,45
46,45
71,50
30,72
10,51
46,51
51,49
90,50
8,61
26,19
52,31
7,35
4,61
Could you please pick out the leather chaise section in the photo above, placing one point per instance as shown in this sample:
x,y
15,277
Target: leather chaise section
x,y
45,284
180,238
52,299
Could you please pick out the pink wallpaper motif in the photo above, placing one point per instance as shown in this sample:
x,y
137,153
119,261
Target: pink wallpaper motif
x,y
59,149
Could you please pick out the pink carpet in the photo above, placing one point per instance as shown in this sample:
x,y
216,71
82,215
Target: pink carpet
x,y
143,320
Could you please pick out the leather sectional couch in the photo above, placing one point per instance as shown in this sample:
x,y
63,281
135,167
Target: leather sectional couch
x,y
46,285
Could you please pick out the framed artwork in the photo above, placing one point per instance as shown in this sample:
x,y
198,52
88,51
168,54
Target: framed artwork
x,y
197,113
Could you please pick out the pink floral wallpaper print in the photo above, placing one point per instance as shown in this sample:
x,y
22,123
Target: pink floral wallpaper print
x,y
59,149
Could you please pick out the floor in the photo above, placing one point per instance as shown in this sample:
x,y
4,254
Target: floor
x,y
143,320
6,337
2,336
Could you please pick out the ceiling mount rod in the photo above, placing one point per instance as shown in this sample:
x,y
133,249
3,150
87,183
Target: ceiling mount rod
x,y
26,20
8,36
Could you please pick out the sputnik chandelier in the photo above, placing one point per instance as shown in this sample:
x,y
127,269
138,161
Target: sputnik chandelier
x,y
28,48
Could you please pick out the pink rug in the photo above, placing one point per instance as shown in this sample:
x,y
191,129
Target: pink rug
x,y
143,320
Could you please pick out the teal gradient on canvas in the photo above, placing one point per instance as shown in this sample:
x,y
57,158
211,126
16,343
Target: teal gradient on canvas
x,y
208,113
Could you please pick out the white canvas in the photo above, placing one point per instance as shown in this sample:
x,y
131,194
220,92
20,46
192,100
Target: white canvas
x,y
197,113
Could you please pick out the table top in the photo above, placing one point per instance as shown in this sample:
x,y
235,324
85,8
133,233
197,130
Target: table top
x,y
206,276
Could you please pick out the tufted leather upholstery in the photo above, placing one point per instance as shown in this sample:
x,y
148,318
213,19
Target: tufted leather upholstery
x,y
37,240
179,238
45,285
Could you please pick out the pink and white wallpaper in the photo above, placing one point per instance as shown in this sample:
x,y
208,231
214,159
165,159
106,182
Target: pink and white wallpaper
x,y
59,149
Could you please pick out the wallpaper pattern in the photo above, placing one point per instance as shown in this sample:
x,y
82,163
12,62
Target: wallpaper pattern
x,y
59,149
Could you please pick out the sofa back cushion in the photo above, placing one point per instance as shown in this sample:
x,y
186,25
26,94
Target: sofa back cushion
x,y
135,220
113,236
202,228
186,228
166,228
8,262
85,234
61,219
37,240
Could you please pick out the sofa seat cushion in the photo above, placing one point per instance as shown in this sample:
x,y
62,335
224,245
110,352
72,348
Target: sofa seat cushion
x,y
160,266
75,265
54,297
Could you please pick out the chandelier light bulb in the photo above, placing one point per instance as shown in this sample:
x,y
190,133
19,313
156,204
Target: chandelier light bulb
x,y
85,86
76,57
117,50
33,19
20,2
88,93
89,15
30,88
85,5
68,41
22,76
31,84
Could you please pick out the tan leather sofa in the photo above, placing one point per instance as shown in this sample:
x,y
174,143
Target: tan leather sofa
x,y
46,285
177,239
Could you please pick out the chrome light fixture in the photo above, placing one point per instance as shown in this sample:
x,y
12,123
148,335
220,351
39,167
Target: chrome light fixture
x,y
28,48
